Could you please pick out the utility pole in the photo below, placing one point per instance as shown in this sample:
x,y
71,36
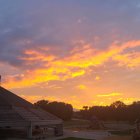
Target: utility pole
x,y
0,80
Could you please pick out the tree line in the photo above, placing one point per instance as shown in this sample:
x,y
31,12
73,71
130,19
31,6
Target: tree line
x,y
117,111
59,109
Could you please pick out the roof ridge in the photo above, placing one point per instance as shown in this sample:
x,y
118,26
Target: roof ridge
x,y
12,99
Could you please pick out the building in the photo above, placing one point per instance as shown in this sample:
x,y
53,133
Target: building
x,y
16,112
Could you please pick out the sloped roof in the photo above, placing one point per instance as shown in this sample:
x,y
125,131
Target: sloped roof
x,y
10,99
14,108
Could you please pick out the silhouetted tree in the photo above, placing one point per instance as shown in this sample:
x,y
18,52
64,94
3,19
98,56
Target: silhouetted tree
x,y
117,111
42,104
60,109
117,104
85,112
85,107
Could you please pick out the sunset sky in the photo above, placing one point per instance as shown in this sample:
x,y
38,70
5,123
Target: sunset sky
x,y
83,52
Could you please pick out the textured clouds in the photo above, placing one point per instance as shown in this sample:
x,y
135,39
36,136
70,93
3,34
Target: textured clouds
x,y
44,67
84,44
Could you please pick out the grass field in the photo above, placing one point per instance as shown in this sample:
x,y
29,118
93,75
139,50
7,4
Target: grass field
x,y
76,123
72,138
121,133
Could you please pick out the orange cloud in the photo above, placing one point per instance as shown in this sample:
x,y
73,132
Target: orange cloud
x,y
129,59
76,64
81,87
34,55
78,73
129,100
109,94
97,78
35,98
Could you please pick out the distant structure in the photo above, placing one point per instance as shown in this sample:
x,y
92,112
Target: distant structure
x,y
95,123
17,113
0,80
136,131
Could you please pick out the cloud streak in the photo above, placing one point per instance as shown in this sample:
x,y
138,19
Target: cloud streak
x,y
48,67
109,95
